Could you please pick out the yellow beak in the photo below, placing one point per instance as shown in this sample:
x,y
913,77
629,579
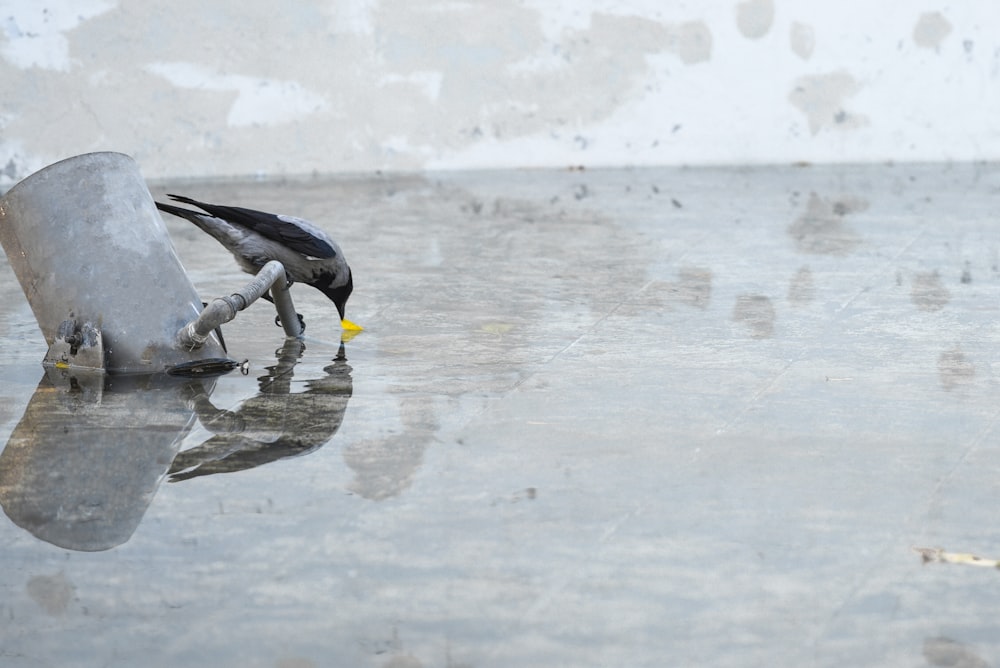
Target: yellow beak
x,y
349,326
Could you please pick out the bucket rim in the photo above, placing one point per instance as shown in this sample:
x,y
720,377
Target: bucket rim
x,y
121,158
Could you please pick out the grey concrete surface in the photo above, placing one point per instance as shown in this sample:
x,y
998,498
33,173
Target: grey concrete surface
x,y
602,418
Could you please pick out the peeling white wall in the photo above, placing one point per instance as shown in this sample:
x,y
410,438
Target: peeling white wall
x,y
194,88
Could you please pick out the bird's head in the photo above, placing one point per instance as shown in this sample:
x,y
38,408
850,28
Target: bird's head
x,y
339,292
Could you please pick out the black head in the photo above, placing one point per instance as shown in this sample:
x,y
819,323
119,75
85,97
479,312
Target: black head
x,y
339,294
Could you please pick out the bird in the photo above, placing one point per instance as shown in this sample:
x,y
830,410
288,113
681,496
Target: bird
x,y
254,238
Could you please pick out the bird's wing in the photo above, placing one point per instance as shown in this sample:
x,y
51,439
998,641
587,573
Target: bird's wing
x,y
295,233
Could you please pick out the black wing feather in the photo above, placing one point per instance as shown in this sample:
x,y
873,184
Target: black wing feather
x,y
267,225
178,211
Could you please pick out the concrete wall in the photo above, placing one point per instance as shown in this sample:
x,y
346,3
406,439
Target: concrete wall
x,y
202,88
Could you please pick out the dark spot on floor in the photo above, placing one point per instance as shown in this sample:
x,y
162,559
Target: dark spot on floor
x,y
756,312
821,229
955,369
966,274
928,293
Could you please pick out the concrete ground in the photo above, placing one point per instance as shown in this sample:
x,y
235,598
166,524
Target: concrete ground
x,y
597,418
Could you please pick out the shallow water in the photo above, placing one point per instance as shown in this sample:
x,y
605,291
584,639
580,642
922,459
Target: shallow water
x,y
633,417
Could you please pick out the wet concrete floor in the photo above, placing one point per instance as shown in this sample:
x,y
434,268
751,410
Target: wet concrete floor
x,y
597,418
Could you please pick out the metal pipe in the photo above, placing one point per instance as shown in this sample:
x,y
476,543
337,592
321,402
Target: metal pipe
x,y
220,311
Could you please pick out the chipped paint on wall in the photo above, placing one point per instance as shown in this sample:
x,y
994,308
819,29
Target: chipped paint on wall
x,y
802,38
36,33
822,98
931,29
257,101
755,17
329,85
691,41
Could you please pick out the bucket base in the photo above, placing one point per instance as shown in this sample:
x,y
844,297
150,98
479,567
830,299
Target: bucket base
x,y
76,346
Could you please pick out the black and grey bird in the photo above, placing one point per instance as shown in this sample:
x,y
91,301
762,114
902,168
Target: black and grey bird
x,y
254,238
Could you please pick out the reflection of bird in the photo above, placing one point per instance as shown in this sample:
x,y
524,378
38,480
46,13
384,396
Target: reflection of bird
x,y
254,238
276,424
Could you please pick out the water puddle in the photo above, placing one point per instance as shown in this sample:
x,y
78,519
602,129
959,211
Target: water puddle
x,y
583,403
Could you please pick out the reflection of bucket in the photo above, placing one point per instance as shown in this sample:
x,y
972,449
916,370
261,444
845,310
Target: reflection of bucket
x,y
87,245
83,464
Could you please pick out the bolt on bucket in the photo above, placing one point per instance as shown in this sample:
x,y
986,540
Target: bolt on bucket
x,y
93,257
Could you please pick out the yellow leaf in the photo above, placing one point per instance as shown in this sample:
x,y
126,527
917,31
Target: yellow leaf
x,y
497,328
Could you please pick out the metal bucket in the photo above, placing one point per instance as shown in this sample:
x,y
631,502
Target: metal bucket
x,y
97,266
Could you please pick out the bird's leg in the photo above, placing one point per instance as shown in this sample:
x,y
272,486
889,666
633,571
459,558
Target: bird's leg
x,y
302,321
277,318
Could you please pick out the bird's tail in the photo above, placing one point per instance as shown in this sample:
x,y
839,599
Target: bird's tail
x,y
179,211
186,200
226,234
193,216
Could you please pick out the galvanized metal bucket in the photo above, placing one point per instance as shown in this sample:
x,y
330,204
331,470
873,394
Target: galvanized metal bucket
x,y
98,268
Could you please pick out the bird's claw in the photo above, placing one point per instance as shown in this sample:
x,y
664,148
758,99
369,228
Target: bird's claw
x,y
302,321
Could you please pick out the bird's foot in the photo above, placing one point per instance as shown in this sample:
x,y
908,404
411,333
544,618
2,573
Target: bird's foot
x,y
302,321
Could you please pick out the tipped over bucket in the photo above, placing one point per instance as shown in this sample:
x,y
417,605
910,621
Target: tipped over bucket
x,y
94,260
